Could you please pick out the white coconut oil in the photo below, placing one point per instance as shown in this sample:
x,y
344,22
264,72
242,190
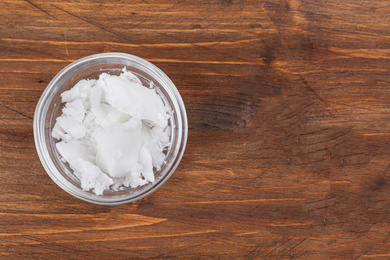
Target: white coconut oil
x,y
113,132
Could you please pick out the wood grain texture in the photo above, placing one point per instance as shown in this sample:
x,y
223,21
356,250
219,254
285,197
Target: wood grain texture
x,y
288,154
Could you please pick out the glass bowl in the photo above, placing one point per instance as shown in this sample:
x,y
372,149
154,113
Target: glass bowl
x,y
49,107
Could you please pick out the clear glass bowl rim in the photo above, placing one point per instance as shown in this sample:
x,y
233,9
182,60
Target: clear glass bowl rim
x,y
39,129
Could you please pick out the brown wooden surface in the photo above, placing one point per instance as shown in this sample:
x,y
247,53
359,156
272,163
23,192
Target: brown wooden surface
x,y
288,153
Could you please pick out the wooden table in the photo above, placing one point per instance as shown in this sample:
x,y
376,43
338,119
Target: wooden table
x,y
288,153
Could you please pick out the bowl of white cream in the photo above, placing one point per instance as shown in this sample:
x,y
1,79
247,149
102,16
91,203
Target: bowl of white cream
x,y
110,128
